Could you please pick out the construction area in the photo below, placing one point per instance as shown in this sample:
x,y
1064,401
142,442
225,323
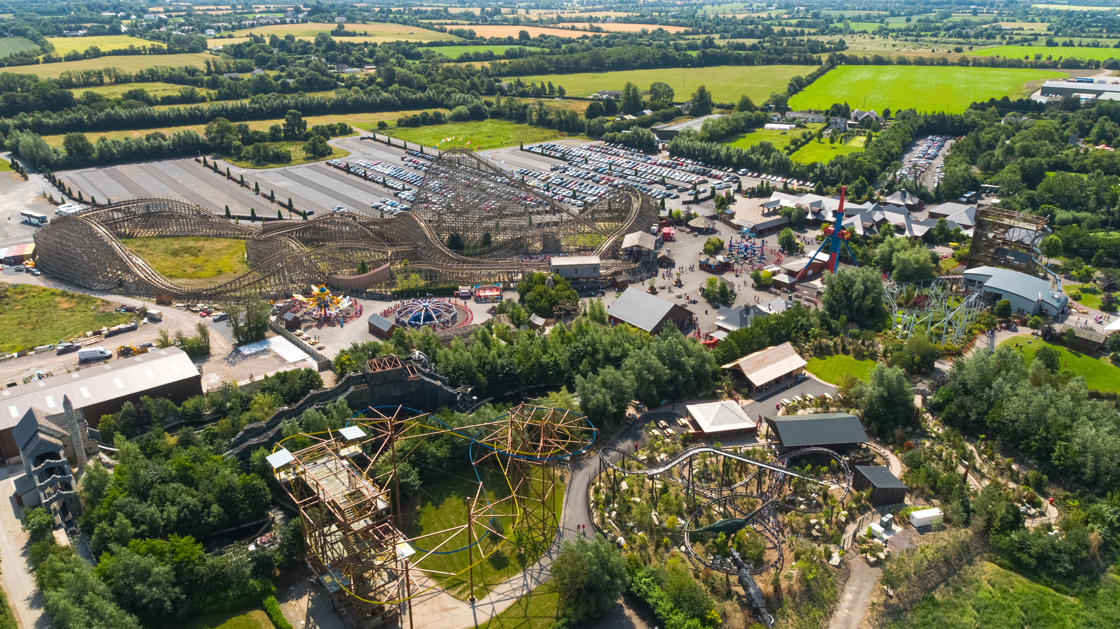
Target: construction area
x,y
472,223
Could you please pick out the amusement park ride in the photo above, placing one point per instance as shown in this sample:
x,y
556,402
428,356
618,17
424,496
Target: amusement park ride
x,y
837,237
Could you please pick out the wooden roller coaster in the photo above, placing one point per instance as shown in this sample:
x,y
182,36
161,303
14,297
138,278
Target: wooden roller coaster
x,y
505,229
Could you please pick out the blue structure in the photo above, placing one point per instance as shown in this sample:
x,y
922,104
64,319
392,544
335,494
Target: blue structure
x,y
837,237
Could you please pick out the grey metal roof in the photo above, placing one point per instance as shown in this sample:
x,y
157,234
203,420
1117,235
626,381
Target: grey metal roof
x,y
880,477
97,383
643,240
640,309
821,429
379,322
1008,282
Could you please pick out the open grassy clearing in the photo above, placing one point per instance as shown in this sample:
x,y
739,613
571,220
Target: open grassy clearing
x,y
453,52
622,27
815,151
833,368
1026,26
483,134
535,610
252,619
192,257
298,156
514,30
779,139
155,88
867,44
371,32
107,43
986,595
1099,373
5,166
1071,7
31,316
925,88
1090,296
1048,52
441,507
727,83
126,63
12,45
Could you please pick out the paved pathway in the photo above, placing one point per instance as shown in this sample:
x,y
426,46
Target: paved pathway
x,y
15,571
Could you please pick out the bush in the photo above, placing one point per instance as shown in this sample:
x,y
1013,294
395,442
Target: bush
x,y
272,608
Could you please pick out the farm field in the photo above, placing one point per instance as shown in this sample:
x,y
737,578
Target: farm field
x,y
727,83
824,151
777,138
127,63
482,134
155,88
372,32
512,30
252,619
454,52
622,27
1049,52
31,316
833,368
191,257
107,43
1071,7
867,44
12,45
986,595
1099,374
925,88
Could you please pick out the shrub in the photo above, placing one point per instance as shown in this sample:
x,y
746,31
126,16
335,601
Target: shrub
x,y
272,608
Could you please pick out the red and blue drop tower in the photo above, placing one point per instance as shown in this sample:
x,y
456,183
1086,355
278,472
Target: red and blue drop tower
x,y
836,238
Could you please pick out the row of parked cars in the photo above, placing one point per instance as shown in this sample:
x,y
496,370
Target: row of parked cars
x,y
928,151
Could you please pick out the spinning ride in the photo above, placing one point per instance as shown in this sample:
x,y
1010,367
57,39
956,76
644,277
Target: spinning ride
x,y
418,313
322,305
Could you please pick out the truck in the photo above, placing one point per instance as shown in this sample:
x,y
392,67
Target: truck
x,y
154,315
93,354
925,517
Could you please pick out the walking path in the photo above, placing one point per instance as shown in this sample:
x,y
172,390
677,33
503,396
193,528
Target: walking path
x,y
24,597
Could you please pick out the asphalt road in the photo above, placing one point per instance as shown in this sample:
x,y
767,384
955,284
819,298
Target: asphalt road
x,y
19,583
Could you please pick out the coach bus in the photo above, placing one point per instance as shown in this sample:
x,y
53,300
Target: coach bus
x,y
33,218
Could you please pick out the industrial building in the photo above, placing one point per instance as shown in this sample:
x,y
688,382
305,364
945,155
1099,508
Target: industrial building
x,y
1029,295
646,312
1085,88
98,390
886,488
838,431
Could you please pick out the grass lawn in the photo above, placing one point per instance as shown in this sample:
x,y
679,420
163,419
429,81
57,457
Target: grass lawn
x,y
1090,295
453,52
107,43
727,83
12,45
298,156
31,316
985,595
1048,52
441,507
155,88
833,368
373,32
779,139
925,88
252,619
483,134
127,63
948,264
824,151
5,165
535,610
1099,374
192,257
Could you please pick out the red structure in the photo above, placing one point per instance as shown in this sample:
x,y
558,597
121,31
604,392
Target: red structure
x,y
837,237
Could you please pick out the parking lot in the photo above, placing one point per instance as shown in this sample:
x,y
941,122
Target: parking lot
x,y
923,161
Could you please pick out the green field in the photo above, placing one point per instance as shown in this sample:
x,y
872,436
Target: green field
x,y
1071,7
375,32
12,45
864,27
107,43
155,88
985,595
192,257
1049,52
5,166
727,83
252,619
482,134
823,151
1090,295
453,52
1099,374
779,139
833,368
127,63
925,88
442,508
31,316
535,610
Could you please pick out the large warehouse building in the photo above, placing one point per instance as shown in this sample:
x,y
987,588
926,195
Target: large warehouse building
x,y
1029,295
98,390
